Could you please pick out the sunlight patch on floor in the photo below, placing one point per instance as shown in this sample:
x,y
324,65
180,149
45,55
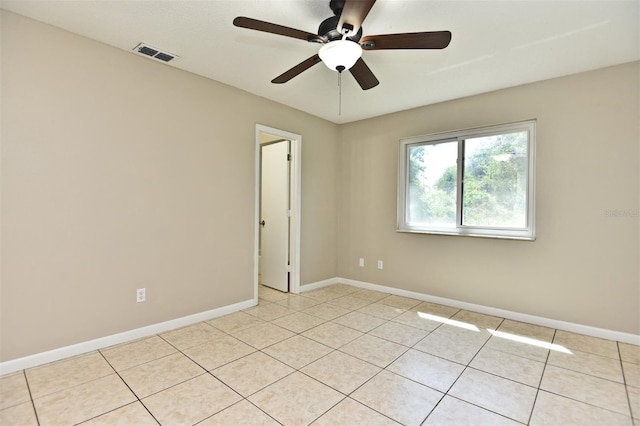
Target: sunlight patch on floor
x,y
530,341
448,321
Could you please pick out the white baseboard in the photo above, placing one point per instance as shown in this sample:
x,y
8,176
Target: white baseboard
x,y
516,316
319,284
115,339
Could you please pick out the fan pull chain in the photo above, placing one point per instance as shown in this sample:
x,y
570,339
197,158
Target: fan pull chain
x,y
339,93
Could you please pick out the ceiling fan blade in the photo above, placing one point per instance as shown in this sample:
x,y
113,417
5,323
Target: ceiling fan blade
x,y
302,66
353,13
423,40
267,27
363,75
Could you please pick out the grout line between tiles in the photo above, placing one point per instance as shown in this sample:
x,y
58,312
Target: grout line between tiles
x,y
485,409
544,368
131,390
624,381
33,404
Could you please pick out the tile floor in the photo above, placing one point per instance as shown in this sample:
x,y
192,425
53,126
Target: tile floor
x,y
339,355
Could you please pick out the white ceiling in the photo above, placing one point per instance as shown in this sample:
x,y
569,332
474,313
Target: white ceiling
x,y
495,44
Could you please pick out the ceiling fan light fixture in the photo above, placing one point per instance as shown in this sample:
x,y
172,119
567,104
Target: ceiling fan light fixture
x,y
340,55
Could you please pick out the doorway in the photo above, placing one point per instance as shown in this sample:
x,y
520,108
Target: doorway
x,y
277,193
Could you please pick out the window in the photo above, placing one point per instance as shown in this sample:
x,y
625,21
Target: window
x,y
477,182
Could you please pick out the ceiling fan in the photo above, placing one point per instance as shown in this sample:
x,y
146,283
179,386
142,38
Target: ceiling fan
x,y
342,41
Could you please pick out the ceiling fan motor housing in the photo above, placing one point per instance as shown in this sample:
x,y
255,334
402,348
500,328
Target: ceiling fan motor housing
x,y
336,6
328,29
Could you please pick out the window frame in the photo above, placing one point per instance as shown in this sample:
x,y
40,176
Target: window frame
x,y
526,233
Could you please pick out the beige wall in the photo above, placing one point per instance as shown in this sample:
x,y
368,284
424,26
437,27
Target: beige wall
x,y
119,173
582,268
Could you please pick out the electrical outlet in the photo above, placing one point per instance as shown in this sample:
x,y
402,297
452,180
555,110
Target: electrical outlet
x,y
141,295
380,264
361,262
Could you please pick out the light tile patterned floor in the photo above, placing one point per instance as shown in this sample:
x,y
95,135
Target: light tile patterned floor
x,y
339,355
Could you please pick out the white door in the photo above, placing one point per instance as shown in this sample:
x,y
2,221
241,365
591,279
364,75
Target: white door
x,y
274,220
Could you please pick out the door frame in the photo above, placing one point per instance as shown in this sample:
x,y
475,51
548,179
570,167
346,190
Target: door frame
x,y
295,194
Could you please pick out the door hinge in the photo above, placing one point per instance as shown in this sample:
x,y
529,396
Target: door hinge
x,y
288,268
288,213
289,157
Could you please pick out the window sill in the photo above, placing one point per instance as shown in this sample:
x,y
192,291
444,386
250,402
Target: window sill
x,y
470,233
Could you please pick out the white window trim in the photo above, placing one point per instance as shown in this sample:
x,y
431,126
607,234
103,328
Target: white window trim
x,y
527,233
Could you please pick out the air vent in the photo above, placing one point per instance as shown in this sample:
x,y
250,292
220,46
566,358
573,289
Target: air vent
x,y
152,52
